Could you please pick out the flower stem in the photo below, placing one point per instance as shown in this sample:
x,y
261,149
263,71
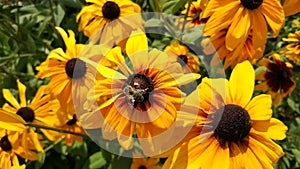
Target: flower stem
x,y
55,129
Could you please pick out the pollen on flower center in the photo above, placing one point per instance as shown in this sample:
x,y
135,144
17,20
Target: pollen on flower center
x,y
79,71
26,113
142,167
251,4
110,10
138,88
235,124
182,59
72,121
5,144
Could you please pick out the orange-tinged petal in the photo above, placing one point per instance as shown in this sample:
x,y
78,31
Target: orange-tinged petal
x,y
241,83
239,29
274,14
291,7
260,107
260,28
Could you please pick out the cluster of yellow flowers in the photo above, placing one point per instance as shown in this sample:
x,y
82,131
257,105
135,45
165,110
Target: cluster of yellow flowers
x,y
134,95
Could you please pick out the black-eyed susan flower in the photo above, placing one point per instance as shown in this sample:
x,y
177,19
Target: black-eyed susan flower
x,y
277,78
231,130
71,125
112,20
240,16
195,12
144,92
291,7
8,153
292,50
145,163
189,62
69,73
39,111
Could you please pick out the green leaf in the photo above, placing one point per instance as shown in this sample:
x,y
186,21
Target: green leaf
x,y
96,160
296,154
171,7
59,14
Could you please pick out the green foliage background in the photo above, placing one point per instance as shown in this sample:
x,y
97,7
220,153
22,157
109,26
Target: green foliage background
x,y
27,34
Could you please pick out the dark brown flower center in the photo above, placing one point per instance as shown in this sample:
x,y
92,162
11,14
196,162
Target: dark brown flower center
x,y
142,167
26,113
5,144
75,72
251,4
138,88
110,10
182,59
72,121
234,125
279,77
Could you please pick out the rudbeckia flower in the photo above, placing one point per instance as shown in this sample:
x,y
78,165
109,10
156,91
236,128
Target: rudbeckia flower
x,y
291,7
189,62
8,153
240,16
292,50
112,20
40,111
195,12
144,92
231,130
277,79
69,75
145,163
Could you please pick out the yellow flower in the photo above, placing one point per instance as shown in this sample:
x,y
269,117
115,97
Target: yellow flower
x,y
69,75
231,130
291,7
241,16
144,98
277,79
189,62
8,153
113,20
244,51
195,12
292,50
40,111
144,163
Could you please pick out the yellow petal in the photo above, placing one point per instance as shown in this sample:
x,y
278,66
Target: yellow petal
x,y
10,98
22,94
274,128
137,50
241,83
11,121
260,107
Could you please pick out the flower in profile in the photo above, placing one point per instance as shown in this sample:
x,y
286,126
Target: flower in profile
x,y
244,51
40,111
277,79
291,7
144,92
195,12
230,126
292,50
145,163
69,75
113,19
189,62
71,125
8,153
240,17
